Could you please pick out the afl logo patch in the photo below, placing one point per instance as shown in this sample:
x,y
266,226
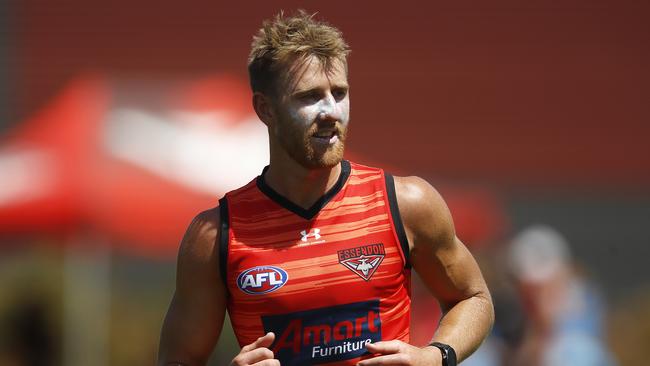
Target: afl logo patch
x,y
262,280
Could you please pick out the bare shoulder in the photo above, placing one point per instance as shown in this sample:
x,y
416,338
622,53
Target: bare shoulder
x,y
424,212
199,241
195,316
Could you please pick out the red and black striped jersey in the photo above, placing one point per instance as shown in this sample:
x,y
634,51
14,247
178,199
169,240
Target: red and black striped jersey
x,y
326,280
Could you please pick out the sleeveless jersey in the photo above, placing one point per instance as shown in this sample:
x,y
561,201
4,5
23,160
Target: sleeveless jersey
x,y
326,280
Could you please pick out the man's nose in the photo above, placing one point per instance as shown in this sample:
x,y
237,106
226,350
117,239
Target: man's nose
x,y
329,109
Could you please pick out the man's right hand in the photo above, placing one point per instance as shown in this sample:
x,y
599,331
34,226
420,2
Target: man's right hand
x,y
257,353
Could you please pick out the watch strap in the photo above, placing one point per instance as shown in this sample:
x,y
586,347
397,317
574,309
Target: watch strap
x,y
448,353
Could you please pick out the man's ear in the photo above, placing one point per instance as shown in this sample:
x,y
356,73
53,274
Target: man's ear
x,y
264,108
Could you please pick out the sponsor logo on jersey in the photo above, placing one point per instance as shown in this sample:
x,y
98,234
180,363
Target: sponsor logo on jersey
x,y
329,334
313,236
262,280
363,260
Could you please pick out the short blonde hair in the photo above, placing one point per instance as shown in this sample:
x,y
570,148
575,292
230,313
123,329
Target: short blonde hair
x,y
284,40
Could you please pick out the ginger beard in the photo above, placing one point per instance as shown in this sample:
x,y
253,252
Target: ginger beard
x,y
309,150
312,130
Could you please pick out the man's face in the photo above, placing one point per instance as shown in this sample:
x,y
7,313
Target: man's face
x,y
313,111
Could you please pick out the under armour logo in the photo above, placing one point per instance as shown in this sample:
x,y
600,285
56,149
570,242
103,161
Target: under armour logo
x,y
315,233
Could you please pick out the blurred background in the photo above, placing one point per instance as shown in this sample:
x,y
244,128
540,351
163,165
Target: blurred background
x,y
121,120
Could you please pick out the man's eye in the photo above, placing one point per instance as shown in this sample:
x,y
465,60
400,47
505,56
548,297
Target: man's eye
x,y
339,94
309,97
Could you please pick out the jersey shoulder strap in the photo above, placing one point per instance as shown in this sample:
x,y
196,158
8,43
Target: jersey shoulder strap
x,y
223,238
398,225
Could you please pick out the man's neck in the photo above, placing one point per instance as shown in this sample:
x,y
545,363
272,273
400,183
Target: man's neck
x,y
298,184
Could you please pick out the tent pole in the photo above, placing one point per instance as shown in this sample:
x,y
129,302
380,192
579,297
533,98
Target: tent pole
x,y
86,303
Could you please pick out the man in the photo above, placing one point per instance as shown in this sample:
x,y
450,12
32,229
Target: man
x,y
312,258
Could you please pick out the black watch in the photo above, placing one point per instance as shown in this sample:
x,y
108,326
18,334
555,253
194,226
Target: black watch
x,y
448,353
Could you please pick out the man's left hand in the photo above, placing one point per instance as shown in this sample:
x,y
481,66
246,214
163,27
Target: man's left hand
x,y
398,353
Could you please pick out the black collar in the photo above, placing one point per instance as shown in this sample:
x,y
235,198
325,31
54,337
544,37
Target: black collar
x,y
312,211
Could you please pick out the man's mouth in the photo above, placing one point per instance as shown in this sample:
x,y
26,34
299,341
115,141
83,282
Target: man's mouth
x,y
327,137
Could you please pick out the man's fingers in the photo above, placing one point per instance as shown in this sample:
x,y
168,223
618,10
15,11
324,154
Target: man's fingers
x,y
254,357
390,353
267,340
263,341
385,348
397,359
257,353
268,363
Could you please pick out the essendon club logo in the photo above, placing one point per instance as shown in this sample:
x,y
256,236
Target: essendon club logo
x,y
324,335
363,260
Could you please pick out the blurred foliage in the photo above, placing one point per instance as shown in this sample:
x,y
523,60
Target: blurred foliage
x,y
30,303
32,276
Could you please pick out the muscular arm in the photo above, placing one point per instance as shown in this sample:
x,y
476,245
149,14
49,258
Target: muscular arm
x,y
446,266
196,313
